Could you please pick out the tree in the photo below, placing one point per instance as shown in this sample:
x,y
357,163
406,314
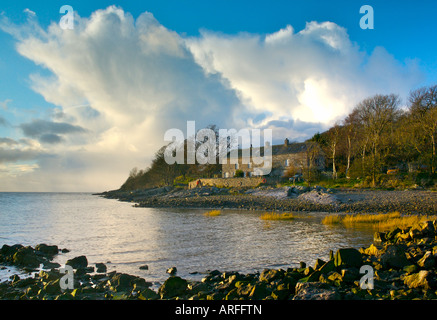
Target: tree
x,y
376,114
423,112
333,139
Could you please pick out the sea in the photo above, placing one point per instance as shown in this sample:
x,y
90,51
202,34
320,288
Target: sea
x,y
126,238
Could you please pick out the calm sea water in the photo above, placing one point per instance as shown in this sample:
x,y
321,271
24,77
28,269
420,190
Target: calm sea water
x,y
125,238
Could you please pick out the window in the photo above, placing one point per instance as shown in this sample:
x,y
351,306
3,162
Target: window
x,y
249,165
287,163
236,166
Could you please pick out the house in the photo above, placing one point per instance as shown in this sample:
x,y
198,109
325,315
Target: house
x,y
287,159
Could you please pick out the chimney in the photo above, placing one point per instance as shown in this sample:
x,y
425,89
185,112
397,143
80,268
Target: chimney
x,y
286,142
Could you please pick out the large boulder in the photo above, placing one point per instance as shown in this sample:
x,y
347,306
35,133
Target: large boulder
x,y
348,257
47,250
315,291
80,262
422,280
172,287
26,257
394,257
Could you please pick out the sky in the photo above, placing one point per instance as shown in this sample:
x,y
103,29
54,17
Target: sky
x,y
79,108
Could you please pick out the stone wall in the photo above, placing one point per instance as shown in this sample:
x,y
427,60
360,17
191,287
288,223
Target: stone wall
x,y
230,182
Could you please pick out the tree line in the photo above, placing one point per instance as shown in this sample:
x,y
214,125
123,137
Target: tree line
x,y
378,135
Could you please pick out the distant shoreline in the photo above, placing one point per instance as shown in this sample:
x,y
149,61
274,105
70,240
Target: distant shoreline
x,y
341,200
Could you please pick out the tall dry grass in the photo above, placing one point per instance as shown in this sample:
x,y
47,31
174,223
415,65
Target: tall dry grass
x,y
212,213
276,216
385,221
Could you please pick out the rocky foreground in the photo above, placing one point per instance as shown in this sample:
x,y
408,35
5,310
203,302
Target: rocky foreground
x,y
403,262
284,199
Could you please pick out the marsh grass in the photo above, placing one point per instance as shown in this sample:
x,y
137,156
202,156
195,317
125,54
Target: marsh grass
x,y
277,216
380,222
212,213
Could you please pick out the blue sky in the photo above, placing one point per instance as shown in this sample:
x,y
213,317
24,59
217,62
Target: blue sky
x,y
70,100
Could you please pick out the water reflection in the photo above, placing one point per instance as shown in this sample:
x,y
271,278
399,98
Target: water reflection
x,y
125,238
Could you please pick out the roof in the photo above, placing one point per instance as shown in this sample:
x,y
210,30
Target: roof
x,y
292,148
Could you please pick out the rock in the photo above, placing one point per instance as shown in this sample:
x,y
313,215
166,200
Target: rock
x,y
427,261
379,237
318,264
172,270
372,250
148,294
259,291
350,274
101,268
269,275
347,257
26,257
47,250
172,287
327,267
423,279
144,267
78,262
52,287
315,291
122,282
394,257
281,293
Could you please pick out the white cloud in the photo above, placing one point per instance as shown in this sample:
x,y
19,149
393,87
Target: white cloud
x,y
315,75
125,81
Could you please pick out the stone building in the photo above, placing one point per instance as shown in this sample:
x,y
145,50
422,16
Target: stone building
x,y
287,159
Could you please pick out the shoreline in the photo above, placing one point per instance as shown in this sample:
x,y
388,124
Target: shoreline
x,y
316,199
401,265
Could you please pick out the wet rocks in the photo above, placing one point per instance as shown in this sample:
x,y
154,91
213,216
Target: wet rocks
x,y
347,257
172,287
80,262
403,265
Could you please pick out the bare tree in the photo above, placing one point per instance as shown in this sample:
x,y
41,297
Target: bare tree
x,y
423,111
375,115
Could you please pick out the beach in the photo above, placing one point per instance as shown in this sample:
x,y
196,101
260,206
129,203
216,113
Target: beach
x,y
315,199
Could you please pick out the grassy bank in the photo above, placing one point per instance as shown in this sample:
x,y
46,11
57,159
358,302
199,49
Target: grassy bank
x,y
380,222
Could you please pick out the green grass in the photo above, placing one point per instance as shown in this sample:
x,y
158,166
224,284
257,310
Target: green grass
x,y
277,216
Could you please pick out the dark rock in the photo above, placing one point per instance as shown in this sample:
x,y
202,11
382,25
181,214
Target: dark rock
x,y
26,257
327,267
101,268
347,257
172,287
52,287
394,257
47,250
78,262
144,267
259,291
148,294
122,282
